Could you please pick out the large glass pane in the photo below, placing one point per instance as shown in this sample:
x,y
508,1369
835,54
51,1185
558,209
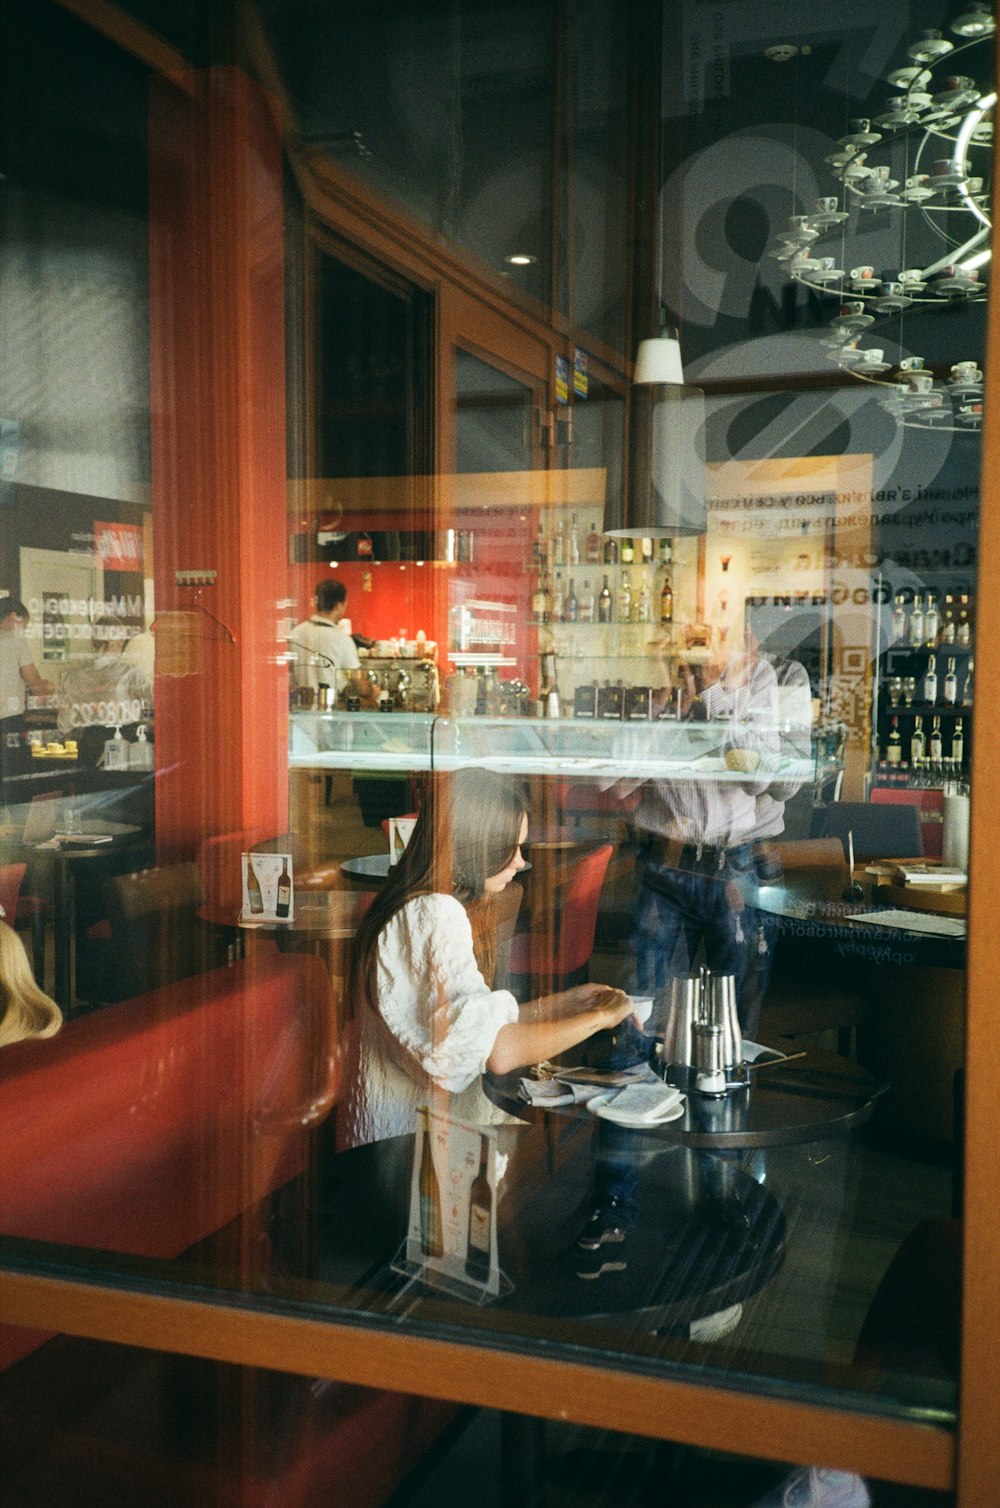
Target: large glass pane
x,y
548,939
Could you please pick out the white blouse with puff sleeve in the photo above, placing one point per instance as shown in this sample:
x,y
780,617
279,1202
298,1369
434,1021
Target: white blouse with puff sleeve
x,y
435,1026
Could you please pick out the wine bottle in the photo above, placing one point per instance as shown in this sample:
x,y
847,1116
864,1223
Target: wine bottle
x,y
586,604
627,552
666,600
284,902
540,602
963,632
253,891
625,599
917,621
967,688
949,691
899,629
894,746
573,546
611,550
931,680
958,744
431,1237
918,743
932,621
948,620
934,746
480,1243
571,605
641,611
592,547
604,604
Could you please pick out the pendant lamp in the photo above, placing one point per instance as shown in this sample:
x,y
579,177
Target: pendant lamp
x,y
664,493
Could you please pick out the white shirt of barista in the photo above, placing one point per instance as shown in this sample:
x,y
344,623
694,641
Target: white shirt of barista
x,y
320,636
18,671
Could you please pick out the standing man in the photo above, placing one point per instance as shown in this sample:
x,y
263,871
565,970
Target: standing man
x,y
706,843
325,654
18,675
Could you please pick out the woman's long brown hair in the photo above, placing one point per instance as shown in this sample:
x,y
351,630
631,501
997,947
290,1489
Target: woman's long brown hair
x,y
467,831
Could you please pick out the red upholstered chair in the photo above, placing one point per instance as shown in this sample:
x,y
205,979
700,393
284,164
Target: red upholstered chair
x,y
577,880
11,876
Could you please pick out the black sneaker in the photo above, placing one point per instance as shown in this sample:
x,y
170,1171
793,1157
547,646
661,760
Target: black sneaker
x,y
605,1227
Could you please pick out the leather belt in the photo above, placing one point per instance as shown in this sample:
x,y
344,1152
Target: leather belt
x,y
673,853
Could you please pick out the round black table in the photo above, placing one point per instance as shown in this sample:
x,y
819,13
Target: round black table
x,y
700,1234
372,868
817,1096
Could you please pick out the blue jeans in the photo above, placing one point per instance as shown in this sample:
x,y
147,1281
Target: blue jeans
x,y
704,914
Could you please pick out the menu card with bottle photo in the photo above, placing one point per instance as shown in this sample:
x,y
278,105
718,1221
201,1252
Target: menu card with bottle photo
x,y
268,888
451,1239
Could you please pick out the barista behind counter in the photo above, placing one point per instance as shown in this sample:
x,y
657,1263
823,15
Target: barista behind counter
x,y
326,656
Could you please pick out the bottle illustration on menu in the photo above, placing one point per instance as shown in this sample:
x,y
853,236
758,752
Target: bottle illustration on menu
x,y
480,1243
284,902
431,1237
254,895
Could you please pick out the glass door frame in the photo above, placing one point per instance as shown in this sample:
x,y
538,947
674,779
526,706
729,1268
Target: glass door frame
x,y
143,1314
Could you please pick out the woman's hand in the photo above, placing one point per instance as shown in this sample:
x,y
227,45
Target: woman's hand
x,y
584,997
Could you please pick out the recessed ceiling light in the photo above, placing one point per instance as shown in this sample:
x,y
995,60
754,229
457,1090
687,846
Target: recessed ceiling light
x,y
520,259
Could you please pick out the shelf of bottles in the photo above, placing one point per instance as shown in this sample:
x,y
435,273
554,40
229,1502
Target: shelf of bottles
x,y
621,590
926,687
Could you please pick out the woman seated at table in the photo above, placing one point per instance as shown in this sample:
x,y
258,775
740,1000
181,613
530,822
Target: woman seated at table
x,y
429,1024
25,1010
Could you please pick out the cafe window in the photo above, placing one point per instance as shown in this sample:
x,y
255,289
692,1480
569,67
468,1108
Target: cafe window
x,y
488,744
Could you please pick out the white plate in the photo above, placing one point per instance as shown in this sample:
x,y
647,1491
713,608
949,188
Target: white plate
x,y
599,1106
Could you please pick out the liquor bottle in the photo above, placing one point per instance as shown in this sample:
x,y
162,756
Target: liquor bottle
x,y
253,891
604,604
918,743
666,552
592,548
480,1243
586,604
930,680
949,691
557,553
628,552
640,613
573,546
284,902
571,606
558,601
967,687
538,550
932,621
899,629
958,744
666,599
963,631
540,602
431,1237
917,621
948,620
934,746
611,550
894,746
625,599
647,551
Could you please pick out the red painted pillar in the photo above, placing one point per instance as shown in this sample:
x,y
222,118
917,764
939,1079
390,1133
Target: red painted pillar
x,y
218,457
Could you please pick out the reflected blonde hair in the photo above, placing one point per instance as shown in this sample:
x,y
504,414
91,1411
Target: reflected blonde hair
x,y
25,1010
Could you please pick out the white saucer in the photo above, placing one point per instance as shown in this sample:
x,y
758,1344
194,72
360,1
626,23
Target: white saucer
x,y
599,1106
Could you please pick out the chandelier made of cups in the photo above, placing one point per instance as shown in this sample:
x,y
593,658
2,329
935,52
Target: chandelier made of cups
x,y
935,139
